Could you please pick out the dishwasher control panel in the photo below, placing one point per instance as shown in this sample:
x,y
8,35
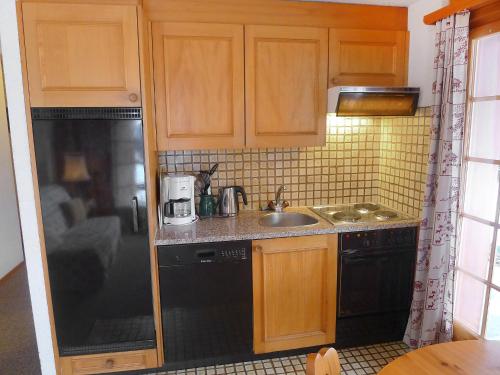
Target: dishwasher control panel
x,y
234,252
214,252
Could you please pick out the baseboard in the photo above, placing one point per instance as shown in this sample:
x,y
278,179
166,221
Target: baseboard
x,y
9,274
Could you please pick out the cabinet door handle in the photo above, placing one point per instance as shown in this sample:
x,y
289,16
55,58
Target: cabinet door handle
x,y
133,97
109,363
257,248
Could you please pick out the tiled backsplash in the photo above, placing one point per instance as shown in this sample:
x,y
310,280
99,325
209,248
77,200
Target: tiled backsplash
x,y
404,150
347,169
344,170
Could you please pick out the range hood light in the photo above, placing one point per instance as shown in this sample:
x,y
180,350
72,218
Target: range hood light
x,y
373,101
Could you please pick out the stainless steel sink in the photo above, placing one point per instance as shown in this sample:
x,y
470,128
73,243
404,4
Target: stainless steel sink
x,y
287,219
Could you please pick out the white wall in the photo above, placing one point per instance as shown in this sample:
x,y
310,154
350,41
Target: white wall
x,y
25,191
421,62
11,250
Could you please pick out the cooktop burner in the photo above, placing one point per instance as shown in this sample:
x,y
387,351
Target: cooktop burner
x,y
356,213
385,214
347,216
364,208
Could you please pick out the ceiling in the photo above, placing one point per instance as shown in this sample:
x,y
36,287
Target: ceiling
x,y
401,3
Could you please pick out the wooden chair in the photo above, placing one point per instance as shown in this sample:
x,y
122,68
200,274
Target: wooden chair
x,y
325,362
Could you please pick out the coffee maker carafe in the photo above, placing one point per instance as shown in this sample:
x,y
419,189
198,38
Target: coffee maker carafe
x,y
177,199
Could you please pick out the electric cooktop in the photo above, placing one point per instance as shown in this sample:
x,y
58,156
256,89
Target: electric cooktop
x,y
356,213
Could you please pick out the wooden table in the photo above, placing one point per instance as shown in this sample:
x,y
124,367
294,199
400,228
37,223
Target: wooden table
x,y
475,357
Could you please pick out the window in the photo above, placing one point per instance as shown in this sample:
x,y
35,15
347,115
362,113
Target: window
x,y
477,303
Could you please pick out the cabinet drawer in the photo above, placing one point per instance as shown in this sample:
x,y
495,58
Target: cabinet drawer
x,y
110,362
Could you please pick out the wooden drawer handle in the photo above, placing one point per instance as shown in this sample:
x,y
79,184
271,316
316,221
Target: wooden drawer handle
x,y
133,98
109,363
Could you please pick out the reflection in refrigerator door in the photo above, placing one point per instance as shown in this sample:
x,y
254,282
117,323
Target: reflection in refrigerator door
x,y
90,165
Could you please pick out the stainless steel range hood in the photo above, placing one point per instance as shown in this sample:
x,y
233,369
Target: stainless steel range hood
x,y
373,101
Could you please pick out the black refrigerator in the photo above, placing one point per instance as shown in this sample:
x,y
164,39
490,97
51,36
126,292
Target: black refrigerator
x,y
91,177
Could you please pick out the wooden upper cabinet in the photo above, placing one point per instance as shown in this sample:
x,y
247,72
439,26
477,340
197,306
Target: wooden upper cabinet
x,y
82,55
294,292
199,85
368,57
286,85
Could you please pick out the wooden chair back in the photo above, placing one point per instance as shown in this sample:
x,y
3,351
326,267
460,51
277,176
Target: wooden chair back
x,y
325,362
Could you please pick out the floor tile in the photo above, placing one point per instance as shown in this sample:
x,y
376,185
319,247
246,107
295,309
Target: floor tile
x,y
366,360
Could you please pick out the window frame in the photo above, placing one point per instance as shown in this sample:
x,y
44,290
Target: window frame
x,y
471,99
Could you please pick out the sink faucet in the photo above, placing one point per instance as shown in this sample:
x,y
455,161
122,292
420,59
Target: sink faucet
x,y
279,204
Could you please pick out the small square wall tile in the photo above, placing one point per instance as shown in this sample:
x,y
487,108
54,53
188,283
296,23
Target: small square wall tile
x,y
365,159
273,167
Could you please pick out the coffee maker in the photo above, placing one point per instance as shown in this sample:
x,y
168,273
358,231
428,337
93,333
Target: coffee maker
x,y
177,199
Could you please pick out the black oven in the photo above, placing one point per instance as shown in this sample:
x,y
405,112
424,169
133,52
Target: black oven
x,y
376,270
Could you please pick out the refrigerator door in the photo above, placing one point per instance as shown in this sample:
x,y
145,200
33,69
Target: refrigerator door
x,y
92,188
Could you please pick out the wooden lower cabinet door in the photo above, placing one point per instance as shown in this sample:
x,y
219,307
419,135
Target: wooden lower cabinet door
x,y
294,292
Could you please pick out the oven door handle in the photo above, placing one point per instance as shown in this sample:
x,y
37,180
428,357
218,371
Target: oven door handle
x,y
356,253
350,252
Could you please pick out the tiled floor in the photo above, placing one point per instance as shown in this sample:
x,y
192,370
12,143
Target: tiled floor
x,y
355,361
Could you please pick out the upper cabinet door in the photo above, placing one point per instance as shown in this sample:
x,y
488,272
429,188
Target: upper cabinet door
x,y
82,55
286,86
368,57
199,86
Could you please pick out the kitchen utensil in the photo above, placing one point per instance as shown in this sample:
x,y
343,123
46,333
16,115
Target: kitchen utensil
x,y
205,177
199,185
213,169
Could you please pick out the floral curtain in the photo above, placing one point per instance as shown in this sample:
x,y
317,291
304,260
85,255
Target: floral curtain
x,y
431,315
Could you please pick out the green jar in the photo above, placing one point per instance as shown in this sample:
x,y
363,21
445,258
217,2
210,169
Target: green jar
x,y
207,205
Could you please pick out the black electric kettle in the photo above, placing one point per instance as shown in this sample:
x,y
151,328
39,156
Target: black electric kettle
x,y
228,200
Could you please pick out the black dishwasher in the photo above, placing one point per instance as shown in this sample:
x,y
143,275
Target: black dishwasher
x,y
206,303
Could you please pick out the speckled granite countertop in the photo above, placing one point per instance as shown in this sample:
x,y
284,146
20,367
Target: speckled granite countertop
x,y
246,226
